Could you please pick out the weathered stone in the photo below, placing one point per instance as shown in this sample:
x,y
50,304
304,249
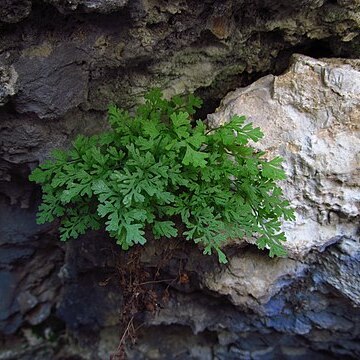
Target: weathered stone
x,y
37,315
26,301
179,343
17,225
9,320
51,81
327,320
102,6
26,263
341,269
12,11
349,3
8,77
10,255
21,352
248,284
298,324
67,62
87,281
102,309
311,117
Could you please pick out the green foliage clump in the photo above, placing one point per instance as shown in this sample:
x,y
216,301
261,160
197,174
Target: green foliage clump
x,y
160,171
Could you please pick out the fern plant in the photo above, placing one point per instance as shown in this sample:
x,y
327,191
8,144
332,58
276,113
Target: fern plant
x,y
158,170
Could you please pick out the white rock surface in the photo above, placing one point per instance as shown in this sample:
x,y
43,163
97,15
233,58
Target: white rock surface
x,y
311,117
252,279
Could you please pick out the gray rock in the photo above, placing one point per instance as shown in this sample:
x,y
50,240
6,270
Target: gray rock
x,y
341,269
66,62
179,343
18,226
21,352
51,81
10,255
12,11
10,321
8,78
26,301
327,320
24,261
38,314
292,323
87,266
101,6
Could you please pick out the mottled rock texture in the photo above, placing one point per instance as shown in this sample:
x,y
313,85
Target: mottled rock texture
x,y
8,78
63,62
13,11
311,117
101,6
120,49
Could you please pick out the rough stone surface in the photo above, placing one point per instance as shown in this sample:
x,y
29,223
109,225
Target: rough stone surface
x,y
102,6
51,81
311,117
12,11
179,46
8,77
341,269
306,115
63,62
246,284
88,277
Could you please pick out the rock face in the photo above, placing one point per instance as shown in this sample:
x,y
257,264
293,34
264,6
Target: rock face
x,y
51,87
13,11
306,115
92,52
311,117
101,6
63,62
8,78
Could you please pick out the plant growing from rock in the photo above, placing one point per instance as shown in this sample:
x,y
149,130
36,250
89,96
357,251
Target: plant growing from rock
x,y
160,171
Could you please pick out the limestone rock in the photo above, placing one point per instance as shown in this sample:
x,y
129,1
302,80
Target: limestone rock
x,y
252,279
8,78
311,117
